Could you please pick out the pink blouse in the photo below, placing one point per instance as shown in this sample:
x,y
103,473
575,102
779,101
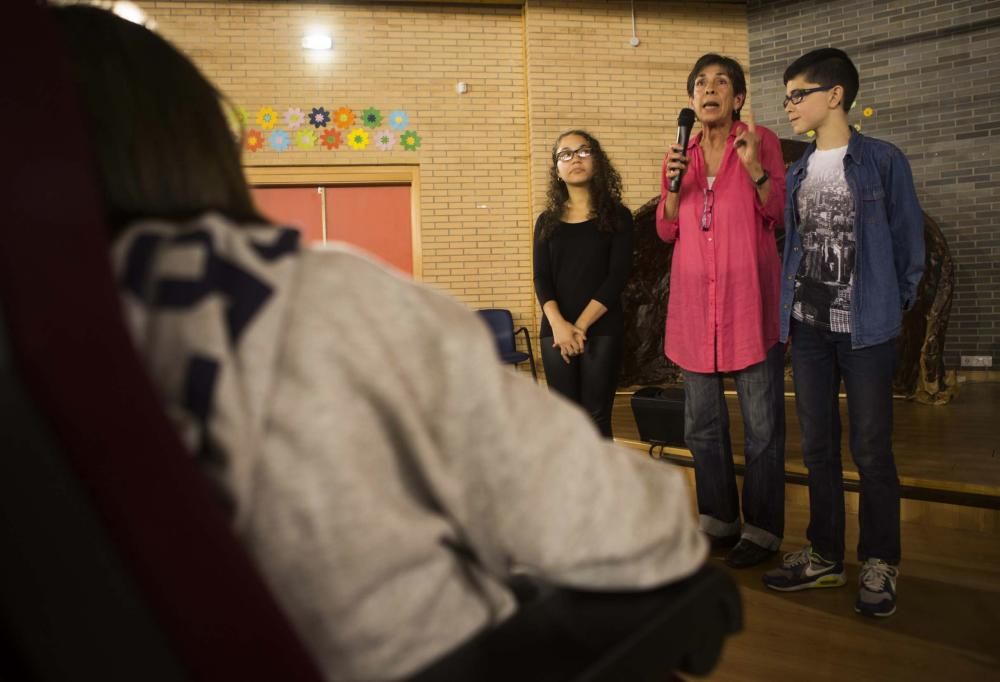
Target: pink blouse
x,y
722,313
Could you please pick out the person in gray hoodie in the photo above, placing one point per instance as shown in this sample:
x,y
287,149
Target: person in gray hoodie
x,y
386,473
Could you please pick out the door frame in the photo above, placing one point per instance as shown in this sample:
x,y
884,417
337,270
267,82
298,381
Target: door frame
x,y
277,176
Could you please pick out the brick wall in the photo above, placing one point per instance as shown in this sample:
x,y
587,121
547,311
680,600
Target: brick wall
x,y
532,71
930,73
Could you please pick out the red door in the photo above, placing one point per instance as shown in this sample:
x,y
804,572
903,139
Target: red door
x,y
298,207
375,218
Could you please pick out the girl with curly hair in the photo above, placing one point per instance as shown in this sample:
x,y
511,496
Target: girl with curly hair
x,y
582,259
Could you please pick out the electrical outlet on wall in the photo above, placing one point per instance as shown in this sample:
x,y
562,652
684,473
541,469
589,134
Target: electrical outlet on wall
x,y
977,361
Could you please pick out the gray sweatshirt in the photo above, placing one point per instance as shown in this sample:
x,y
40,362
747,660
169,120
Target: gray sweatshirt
x,y
387,473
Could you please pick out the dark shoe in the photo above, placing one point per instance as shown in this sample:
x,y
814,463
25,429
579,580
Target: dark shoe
x,y
877,589
805,570
746,554
722,542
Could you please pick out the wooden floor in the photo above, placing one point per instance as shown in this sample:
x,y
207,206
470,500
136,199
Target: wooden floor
x,y
947,626
950,447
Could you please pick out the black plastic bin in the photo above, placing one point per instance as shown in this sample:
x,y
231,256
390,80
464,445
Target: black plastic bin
x,y
659,414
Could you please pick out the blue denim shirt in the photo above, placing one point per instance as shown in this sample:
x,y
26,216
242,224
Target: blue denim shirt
x,y
888,236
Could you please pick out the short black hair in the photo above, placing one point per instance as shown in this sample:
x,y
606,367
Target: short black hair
x,y
828,66
731,67
163,144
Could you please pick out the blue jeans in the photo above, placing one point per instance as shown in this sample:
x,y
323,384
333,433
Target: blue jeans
x,y
760,389
819,359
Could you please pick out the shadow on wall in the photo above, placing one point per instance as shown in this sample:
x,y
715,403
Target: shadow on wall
x,y
920,372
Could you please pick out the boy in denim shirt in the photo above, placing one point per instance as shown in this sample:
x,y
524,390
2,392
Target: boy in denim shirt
x,y
854,255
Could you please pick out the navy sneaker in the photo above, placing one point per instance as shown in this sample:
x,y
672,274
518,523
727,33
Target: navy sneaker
x,y
804,570
877,589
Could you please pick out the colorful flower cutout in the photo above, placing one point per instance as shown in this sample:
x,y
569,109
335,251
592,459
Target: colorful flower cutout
x,y
267,117
240,115
330,138
385,139
371,118
254,140
410,140
868,111
343,118
294,118
398,120
279,140
319,117
305,139
358,139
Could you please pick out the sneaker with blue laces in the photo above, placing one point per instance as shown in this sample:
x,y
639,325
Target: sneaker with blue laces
x,y
804,570
877,589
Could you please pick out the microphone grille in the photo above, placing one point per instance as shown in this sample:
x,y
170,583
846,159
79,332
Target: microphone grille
x,y
686,118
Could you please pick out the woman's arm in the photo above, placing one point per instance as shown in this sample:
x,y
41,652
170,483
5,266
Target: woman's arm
x,y
619,269
668,210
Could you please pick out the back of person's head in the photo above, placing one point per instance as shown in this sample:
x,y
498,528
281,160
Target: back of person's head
x,y
732,68
828,67
164,147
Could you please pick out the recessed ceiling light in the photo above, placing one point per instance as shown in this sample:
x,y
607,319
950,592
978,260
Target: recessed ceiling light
x,y
317,41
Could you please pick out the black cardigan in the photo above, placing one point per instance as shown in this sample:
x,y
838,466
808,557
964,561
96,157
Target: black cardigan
x,y
578,263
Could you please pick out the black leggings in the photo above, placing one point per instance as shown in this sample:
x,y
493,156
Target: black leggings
x,y
590,379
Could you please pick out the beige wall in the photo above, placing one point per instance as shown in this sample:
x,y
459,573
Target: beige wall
x,y
531,71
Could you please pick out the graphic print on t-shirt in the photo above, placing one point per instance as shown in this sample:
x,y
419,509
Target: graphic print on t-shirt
x,y
826,225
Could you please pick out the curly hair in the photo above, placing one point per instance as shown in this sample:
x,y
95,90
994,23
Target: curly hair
x,y
605,189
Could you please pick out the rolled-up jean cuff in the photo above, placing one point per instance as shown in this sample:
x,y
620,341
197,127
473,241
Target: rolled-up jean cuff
x,y
716,528
761,537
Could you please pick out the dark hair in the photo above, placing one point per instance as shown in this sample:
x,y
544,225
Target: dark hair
x,y
828,66
732,69
164,147
605,189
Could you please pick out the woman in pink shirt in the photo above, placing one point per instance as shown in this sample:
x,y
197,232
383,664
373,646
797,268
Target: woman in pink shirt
x,y
722,315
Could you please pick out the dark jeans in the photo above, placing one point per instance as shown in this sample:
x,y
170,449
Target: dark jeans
x,y
761,392
819,359
590,379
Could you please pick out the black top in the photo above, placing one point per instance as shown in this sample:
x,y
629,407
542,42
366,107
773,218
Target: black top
x,y
579,263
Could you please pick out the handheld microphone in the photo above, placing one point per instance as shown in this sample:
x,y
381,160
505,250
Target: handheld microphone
x,y
685,121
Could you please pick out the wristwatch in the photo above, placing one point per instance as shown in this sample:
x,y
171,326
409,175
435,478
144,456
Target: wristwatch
x,y
760,181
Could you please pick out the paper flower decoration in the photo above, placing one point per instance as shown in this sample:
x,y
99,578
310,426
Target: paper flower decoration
x,y
343,118
294,118
371,118
305,139
240,115
398,120
279,140
267,117
255,140
358,139
385,139
330,138
319,117
410,140
868,111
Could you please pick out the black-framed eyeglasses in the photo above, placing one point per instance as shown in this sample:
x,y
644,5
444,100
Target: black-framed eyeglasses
x,y
706,211
796,96
566,155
